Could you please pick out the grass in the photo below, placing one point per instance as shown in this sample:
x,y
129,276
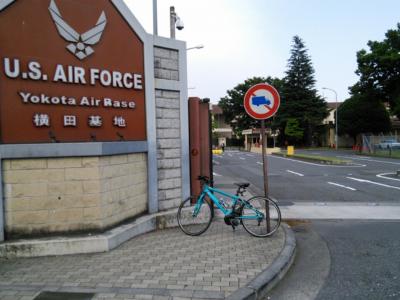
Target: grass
x,y
317,158
384,153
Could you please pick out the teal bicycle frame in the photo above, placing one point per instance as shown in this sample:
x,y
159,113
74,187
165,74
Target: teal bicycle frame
x,y
209,191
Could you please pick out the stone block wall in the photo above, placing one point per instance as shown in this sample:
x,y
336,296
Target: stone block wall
x,y
168,131
166,64
51,195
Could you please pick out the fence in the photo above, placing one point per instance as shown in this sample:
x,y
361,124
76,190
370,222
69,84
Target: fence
x,y
381,145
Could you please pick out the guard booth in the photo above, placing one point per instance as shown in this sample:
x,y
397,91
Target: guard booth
x,y
200,142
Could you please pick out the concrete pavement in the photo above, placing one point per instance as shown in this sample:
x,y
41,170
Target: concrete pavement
x,y
341,210
160,264
164,264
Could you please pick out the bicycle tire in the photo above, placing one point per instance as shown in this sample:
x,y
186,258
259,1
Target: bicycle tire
x,y
258,227
198,224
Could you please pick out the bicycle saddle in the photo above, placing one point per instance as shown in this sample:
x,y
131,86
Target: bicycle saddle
x,y
242,184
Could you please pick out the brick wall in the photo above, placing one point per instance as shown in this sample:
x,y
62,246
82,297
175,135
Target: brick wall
x,y
72,194
168,131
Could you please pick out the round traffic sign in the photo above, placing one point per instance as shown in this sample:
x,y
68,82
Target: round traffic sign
x,y
261,101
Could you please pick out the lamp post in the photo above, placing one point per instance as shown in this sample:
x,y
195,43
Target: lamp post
x,y
336,113
196,47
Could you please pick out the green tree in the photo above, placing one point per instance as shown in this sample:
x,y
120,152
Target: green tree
x,y
299,97
232,104
379,71
359,114
293,132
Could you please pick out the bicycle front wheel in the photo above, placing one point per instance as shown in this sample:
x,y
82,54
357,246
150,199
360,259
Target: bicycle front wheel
x,y
194,219
254,216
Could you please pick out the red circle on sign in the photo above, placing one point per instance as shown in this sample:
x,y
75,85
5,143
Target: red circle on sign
x,y
259,91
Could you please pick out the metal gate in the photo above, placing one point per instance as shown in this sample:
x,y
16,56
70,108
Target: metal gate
x,y
199,142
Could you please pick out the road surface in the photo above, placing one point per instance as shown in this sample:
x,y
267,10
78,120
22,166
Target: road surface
x,y
368,180
348,256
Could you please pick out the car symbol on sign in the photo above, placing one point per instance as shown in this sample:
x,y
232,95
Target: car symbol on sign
x,y
260,100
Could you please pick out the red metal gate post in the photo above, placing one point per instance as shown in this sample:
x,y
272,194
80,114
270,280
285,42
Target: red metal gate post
x,y
199,142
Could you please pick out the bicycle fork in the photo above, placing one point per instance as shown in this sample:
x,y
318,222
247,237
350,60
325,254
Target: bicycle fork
x,y
196,208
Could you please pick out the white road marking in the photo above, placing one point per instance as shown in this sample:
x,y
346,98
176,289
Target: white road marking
x,y
216,174
343,186
298,174
259,162
242,158
374,182
230,155
383,176
370,159
250,155
315,164
216,162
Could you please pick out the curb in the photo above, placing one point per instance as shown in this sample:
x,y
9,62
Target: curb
x,y
61,245
314,160
266,280
101,242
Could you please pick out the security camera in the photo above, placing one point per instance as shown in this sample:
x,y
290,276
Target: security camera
x,y
179,24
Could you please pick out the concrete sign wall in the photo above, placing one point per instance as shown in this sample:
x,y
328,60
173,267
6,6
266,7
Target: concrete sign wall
x,y
96,108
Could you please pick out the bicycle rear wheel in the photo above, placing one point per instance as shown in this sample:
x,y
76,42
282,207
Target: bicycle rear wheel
x,y
254,218
194,219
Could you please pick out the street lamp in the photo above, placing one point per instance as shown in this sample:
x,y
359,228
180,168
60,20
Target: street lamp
x,y
336,121
196,47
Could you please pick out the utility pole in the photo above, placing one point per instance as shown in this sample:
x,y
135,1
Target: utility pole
x,y
336,117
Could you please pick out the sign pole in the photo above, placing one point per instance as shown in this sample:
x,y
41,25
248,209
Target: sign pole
x,y
265,172
261,102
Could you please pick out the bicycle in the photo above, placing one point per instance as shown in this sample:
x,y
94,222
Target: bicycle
x,y
196,213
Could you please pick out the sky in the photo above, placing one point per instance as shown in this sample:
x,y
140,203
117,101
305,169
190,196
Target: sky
x,y
246,38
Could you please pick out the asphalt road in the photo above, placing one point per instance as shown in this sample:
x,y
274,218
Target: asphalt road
x,y
343,260
336,259
367,180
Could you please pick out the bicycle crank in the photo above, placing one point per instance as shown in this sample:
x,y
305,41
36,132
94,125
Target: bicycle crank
x,y
231,220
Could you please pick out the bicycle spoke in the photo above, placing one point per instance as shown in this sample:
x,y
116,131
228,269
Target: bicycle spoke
x,y
194,219
254,217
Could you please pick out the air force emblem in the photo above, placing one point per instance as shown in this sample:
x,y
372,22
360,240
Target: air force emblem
x,y
80,43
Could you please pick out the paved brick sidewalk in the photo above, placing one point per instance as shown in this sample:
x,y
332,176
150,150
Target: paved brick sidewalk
x,y
163,264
